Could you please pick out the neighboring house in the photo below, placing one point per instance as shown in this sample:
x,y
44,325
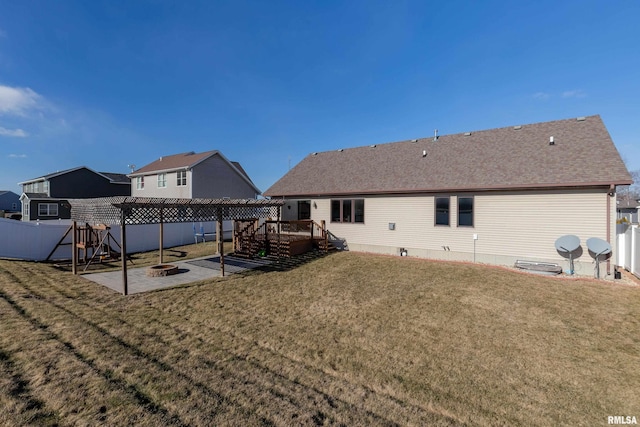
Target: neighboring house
x,y
45,197
628,209
9,201
493,196
193,175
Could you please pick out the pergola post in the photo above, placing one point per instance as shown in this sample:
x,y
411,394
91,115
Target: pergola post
x,y
123,255
74,247
161,260
220,239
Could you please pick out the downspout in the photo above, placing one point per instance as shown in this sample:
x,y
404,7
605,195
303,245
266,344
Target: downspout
x,y
610,194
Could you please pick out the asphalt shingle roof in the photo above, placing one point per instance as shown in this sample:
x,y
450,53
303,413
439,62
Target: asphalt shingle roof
x,y
173,162
514,157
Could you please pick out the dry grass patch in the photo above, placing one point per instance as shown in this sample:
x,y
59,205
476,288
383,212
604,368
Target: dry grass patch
x,y
347,339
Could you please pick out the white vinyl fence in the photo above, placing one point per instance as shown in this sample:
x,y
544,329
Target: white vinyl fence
x,y
629,248
34,241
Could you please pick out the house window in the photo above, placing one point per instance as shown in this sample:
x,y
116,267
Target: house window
x,y
304,209
162,180
348,210
140,183
47,209
465,211
442,211
182,178
14,206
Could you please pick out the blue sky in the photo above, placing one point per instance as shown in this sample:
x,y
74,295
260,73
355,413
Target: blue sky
x,y
106,84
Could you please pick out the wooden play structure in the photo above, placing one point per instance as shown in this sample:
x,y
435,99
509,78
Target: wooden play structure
x,y
91,243
253,238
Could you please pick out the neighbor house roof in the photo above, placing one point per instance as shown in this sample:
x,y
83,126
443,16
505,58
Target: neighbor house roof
x,y
173,162
115,178
188,160
515,157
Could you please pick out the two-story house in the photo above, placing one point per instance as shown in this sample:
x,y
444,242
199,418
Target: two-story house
x,y
44,198
193,175
9,202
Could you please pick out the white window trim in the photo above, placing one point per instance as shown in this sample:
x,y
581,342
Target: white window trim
x,y
162,180
181,178
48,210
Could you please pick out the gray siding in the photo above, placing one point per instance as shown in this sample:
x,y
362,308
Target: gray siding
x,y
83,183
215,178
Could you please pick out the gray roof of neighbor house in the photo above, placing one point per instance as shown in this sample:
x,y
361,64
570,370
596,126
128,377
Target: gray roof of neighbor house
x,y
115,178
186,161
515,157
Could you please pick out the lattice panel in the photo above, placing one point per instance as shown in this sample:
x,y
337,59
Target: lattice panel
x,y
139,210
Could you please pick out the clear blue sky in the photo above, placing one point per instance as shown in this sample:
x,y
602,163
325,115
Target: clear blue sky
x,y
106,84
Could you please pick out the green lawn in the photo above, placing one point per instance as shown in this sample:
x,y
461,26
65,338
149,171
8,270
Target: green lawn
x,y
347,339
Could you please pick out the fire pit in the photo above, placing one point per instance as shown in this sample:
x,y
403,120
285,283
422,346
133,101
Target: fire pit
x,y
162,270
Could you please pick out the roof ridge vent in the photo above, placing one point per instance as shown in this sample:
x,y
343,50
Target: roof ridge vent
x,y
518,127
373,146
551,141
341,149
414,140
467,134
581,119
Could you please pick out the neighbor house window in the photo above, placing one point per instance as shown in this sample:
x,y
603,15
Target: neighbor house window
x,y
348,210
140,183
465,211
182,178
442,211
14,206
47,209
162,180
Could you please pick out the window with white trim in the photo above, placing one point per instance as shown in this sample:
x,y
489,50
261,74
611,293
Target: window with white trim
x,y
181,178
140,183
47,209
162,180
